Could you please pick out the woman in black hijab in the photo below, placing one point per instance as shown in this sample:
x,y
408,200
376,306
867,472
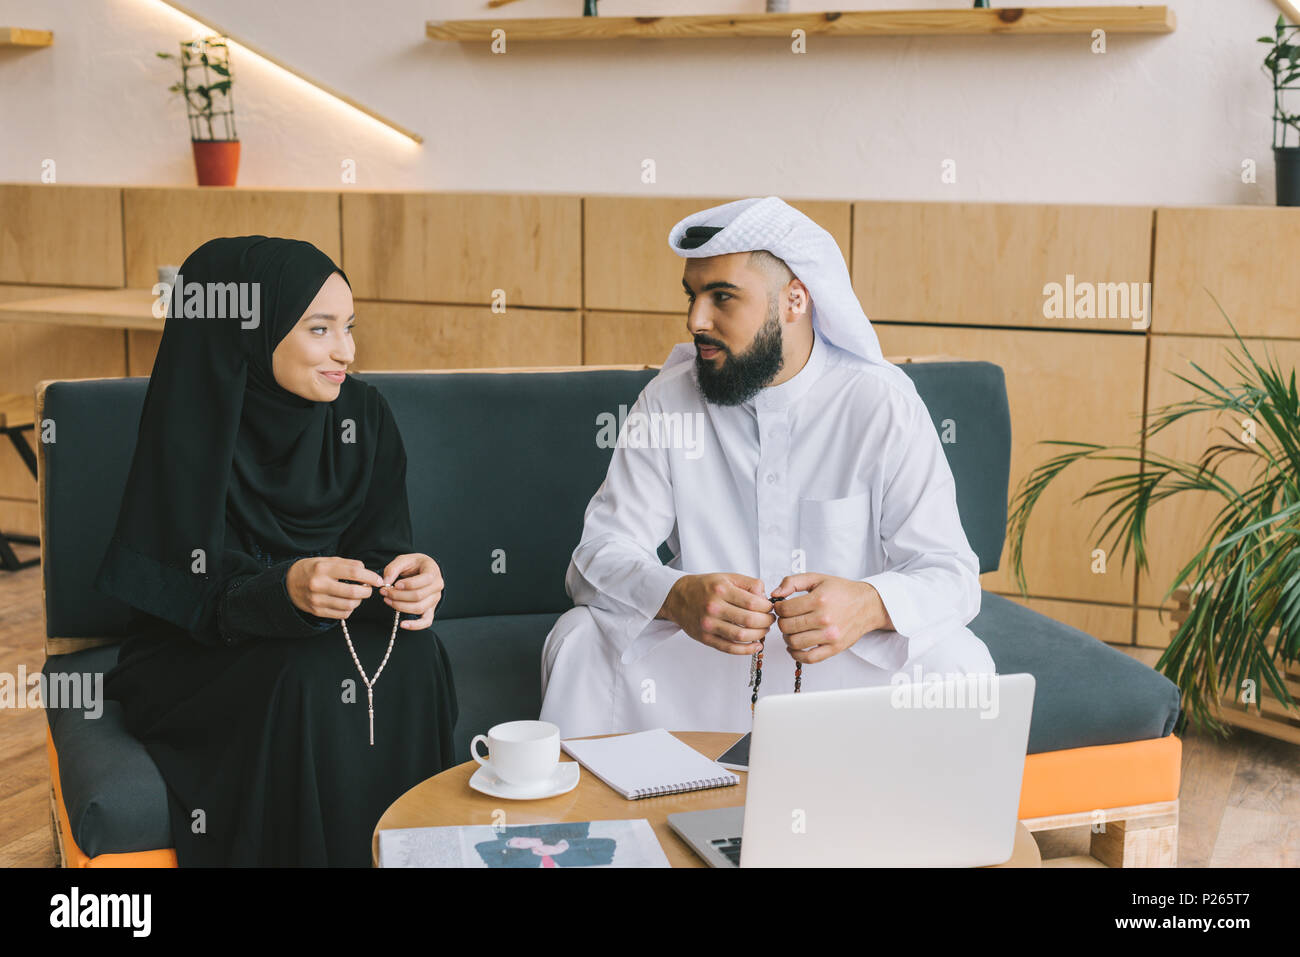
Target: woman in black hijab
x,y
266,505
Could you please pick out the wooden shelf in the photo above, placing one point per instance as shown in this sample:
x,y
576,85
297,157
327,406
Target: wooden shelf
x,y
1007,21
99,308
22,37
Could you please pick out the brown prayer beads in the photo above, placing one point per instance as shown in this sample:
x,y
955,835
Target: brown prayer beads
x,y
756,671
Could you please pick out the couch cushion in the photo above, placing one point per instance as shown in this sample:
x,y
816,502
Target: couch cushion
x,y
114,794
514,468
496,663
94,421
967,402
498,465
1087,692
502,466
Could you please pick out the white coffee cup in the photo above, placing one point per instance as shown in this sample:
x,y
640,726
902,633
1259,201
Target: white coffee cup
x,y
520,752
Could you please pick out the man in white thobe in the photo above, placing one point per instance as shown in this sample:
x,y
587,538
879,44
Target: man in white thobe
x,y
788,461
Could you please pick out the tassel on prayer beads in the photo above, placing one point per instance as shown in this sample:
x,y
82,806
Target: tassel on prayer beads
x,y
370,706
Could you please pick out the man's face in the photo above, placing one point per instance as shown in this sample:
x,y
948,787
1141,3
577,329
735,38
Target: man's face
x,y
734,317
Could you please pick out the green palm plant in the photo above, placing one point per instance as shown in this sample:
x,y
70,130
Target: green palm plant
x,y
1245,578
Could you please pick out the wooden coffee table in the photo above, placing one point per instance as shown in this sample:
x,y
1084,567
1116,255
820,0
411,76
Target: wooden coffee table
x,y
447,799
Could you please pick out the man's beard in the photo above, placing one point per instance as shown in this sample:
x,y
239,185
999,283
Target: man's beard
x,y
741,377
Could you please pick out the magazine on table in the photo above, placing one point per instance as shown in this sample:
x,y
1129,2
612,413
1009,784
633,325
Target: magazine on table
x,y
630,843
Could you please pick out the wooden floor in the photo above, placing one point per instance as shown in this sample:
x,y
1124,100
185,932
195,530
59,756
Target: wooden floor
x,y
1240,800
24,770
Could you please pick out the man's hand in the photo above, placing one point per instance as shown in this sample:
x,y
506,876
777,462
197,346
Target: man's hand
x,y
413,584
320,586
834,614
724,611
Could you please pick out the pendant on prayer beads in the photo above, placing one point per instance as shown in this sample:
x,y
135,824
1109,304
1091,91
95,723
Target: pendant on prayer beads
x,y
370,706
367,681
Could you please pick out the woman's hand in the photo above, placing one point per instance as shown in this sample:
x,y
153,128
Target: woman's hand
x,y
315,587
413,584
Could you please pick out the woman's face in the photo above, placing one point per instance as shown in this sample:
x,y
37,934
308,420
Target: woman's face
x,y
311,360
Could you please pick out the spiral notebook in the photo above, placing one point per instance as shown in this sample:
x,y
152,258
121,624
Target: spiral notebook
x,y
648,763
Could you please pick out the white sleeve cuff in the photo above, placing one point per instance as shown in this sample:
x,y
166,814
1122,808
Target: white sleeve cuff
x,y
652,587
896,594
884,649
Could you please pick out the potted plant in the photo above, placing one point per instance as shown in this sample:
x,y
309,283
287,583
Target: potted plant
x,y
210,108
1243,624
1283,64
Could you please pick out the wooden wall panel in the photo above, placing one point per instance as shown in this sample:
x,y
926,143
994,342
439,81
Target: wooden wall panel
x,y
459,247
1153,631
647,337
1112,624
1176,526
61,235
1245,256
628,264
412,336
141,350
1061,385
987,263
30,352
165,225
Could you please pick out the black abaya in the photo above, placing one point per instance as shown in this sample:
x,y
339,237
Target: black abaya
x,y
253,710
258,739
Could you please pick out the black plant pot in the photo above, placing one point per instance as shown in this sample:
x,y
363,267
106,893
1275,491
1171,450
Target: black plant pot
x,y
1286,161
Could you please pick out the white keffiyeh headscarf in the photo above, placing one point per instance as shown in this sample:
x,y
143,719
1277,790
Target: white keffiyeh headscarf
x,y
812,255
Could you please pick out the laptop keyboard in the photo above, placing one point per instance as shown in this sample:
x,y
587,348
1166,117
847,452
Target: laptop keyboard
x,y
728,847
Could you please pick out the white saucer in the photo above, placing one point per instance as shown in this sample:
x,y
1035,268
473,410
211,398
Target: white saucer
x,y
565,779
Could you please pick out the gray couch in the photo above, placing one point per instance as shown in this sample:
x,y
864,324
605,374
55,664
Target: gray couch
x,y
509,460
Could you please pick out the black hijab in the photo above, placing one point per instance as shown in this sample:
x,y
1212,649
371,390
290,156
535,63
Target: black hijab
x,y
223,447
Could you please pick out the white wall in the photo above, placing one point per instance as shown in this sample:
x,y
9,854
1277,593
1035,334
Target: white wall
x,y
1165,119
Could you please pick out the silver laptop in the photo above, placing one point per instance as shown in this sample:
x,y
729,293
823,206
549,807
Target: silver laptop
x,y
915,775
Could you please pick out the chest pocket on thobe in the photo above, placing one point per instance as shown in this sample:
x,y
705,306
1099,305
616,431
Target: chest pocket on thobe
x,y
835,535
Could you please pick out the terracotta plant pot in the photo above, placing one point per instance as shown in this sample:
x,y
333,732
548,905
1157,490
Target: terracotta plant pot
x,y
216,161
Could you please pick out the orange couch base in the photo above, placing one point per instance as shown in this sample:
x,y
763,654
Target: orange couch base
x,y
1077,780
1055,782
74,856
